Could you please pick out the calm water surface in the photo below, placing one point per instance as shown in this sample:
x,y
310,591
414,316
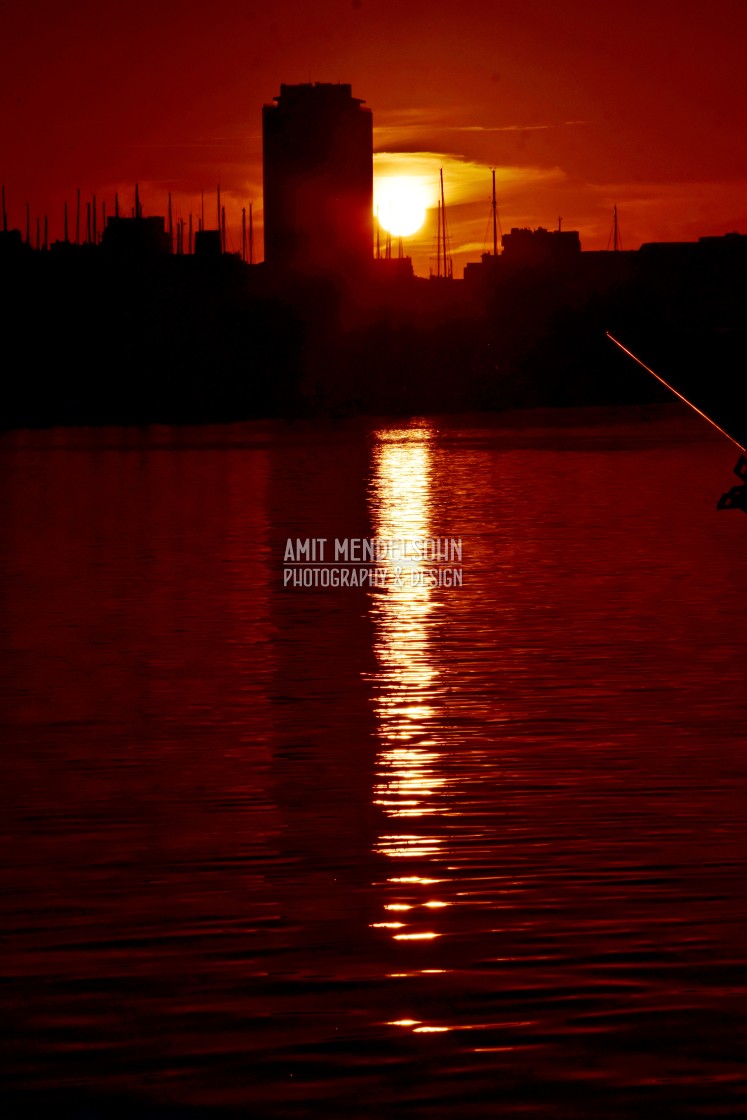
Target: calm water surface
x,y
465,851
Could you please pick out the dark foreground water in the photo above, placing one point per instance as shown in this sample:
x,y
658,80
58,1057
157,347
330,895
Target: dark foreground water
x,y
468,851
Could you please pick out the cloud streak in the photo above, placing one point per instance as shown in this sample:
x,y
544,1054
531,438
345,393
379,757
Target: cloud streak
x,y
515,127
465,181
418,130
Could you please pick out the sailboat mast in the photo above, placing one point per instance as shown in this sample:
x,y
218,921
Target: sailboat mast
x,y
438,240
495,220
443,220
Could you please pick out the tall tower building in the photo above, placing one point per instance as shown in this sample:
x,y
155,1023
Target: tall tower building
x,y
318,179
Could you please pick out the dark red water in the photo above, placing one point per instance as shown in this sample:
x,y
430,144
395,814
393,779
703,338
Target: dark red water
x,y
441,852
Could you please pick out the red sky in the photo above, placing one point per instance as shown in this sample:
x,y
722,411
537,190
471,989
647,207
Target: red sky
x,y
579,105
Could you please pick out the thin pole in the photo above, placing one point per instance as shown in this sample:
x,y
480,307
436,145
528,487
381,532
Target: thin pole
x,y
438,241
251,234
243,234
495,220
443,217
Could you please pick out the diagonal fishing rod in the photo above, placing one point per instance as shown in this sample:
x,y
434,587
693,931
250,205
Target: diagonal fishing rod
x,y
676,392
736,498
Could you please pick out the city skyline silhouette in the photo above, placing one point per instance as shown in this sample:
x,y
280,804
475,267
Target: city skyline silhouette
x,y
374,668
577,115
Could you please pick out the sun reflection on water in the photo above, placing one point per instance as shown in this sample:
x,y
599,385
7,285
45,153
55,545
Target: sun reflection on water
x,y
409,775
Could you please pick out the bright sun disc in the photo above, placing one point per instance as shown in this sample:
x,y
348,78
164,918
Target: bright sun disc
x,y
400,202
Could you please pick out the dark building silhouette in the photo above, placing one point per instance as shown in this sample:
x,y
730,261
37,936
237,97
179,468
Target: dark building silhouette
x,y
540,246
318,179
11,243
208,243
731,248
136,237
537,251
393,268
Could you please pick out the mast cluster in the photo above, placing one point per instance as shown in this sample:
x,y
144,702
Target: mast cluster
x,y
87,226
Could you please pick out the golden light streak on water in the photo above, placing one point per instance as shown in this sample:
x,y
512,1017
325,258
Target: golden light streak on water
x,y
415,879
416,936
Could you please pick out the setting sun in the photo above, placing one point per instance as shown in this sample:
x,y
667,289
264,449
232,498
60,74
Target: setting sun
x,y
401,201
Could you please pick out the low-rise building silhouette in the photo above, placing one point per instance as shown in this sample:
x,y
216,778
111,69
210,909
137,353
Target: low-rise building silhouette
x,y
136,237
540,246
